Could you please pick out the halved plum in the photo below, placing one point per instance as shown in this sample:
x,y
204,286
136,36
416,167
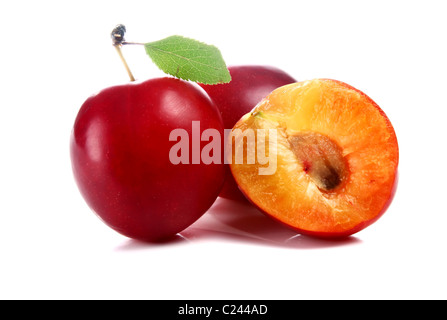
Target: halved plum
x,y
335,153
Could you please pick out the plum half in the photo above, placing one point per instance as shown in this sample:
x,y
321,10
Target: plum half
x,y
335,156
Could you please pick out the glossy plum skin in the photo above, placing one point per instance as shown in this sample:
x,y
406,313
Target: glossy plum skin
x,y
119,150
249,85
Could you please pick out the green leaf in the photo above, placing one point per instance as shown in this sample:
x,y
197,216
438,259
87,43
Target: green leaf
x,y
189,59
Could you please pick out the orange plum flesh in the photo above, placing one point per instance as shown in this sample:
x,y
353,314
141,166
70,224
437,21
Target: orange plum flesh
x,y
336,156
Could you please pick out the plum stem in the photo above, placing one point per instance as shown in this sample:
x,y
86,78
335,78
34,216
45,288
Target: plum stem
x,y
132,43
120,53
118,40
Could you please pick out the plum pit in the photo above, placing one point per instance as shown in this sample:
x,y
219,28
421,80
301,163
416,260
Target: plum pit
x,y
321,158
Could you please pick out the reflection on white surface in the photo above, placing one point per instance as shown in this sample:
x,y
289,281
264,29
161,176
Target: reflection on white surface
x,y
134,245
241,222
237,222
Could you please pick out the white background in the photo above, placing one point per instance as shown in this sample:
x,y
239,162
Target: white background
x,y
54,54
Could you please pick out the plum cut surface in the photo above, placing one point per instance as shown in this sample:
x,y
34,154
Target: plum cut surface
x,y
336,156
